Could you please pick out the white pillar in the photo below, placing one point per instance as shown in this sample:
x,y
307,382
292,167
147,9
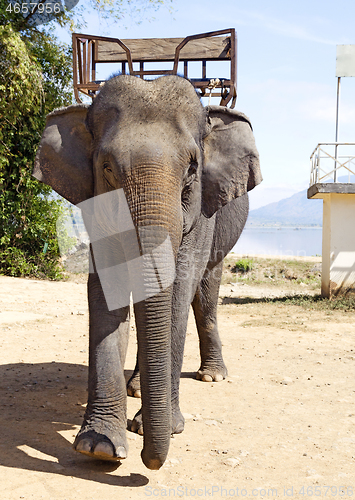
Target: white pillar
x,y
338,238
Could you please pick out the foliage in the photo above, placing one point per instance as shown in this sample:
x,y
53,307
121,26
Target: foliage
x,y
34,78
243,265
340,303
344,303
118,10
66,241
73,18
271,271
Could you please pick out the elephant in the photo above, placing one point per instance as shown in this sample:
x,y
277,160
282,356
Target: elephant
x,y
184,171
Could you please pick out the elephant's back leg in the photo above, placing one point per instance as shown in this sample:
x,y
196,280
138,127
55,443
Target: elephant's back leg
x,y
134,383
230,222
204,305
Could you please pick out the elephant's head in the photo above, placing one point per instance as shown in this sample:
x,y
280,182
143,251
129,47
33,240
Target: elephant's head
x,y
175,162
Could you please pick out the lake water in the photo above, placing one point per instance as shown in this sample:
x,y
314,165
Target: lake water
x,y
303,241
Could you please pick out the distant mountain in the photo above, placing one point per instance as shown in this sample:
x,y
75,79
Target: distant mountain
x,y
297,210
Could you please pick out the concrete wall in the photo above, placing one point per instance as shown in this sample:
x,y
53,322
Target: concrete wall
x,y
338,252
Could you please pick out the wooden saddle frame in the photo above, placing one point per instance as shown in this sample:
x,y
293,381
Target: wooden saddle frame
x,y
89,50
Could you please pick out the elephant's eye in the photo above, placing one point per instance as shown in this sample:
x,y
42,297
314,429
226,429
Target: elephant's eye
x,y
192,168
107,167
109,175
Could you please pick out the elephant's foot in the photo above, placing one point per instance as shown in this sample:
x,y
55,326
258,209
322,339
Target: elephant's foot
x,y
134,386
101,446
212,372
137,423
178,423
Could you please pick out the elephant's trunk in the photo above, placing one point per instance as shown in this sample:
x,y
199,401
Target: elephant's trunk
x,y
158,220
154,358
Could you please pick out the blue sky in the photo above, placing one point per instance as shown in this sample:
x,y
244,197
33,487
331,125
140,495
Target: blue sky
x,y
286,74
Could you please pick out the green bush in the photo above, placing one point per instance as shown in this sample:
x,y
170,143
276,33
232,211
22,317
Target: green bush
x,y
243,265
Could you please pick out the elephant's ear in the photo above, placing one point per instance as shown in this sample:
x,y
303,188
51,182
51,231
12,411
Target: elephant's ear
x,y
231,163
64,156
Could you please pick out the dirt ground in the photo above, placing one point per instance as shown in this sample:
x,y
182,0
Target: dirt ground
x,y
282,425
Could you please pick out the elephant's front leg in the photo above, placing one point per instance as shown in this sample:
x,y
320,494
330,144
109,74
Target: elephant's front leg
x,y
189,274
103,433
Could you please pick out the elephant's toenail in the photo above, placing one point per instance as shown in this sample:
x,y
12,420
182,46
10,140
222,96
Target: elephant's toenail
x,y
137,394
218,377
84,446
121,452
179,428
140,431
207,378
104,450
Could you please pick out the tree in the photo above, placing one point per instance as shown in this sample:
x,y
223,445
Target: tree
x,y
35,73
35,78
70,14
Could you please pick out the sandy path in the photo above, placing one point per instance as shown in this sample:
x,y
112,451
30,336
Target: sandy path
x,y
283,419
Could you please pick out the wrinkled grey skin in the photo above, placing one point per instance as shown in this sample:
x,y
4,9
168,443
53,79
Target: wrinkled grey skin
x,y
185,169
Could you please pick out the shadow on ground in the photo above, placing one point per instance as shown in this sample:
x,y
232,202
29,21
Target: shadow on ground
x,y
344,303
39,403
309,299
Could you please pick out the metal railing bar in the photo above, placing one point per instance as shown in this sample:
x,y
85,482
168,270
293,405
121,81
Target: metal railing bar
x,y
341,163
